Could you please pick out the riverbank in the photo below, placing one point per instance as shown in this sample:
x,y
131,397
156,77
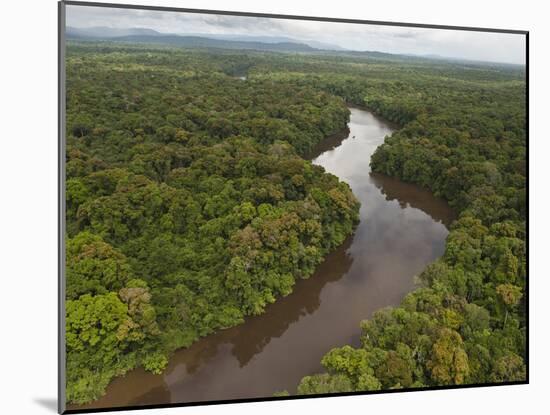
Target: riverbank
x,y
402,229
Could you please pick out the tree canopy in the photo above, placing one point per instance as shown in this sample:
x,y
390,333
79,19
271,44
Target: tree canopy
x,y
190,206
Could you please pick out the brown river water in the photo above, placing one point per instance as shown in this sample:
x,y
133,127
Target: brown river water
x,y
402,229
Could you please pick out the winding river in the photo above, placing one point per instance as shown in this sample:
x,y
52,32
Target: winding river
x,y
402,229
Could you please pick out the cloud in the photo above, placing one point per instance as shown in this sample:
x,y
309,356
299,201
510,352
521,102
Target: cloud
x,y
497,47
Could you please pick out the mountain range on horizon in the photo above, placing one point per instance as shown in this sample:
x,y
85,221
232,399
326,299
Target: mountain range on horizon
x,y
103,32
239,41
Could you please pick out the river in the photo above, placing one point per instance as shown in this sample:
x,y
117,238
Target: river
x,y
402,228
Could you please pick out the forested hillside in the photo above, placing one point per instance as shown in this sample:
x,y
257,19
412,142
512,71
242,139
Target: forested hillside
x,y
188,206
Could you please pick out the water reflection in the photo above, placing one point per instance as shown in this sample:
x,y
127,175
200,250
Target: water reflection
x,y
158,394
402,228
305,299
329,144
413,196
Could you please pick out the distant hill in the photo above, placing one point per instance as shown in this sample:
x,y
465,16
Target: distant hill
x,y
202,42
222,41
139,35
249,42
108,32
269,39
252,42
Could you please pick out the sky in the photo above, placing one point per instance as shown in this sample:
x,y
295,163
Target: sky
x,y
483,46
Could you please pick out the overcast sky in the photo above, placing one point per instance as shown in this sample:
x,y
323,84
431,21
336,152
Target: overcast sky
x,y
494,47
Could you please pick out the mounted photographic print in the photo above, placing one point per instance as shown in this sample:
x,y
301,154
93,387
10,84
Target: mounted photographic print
x,y
260,207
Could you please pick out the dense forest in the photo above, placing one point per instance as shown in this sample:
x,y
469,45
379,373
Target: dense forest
x,y
190,206
463,136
